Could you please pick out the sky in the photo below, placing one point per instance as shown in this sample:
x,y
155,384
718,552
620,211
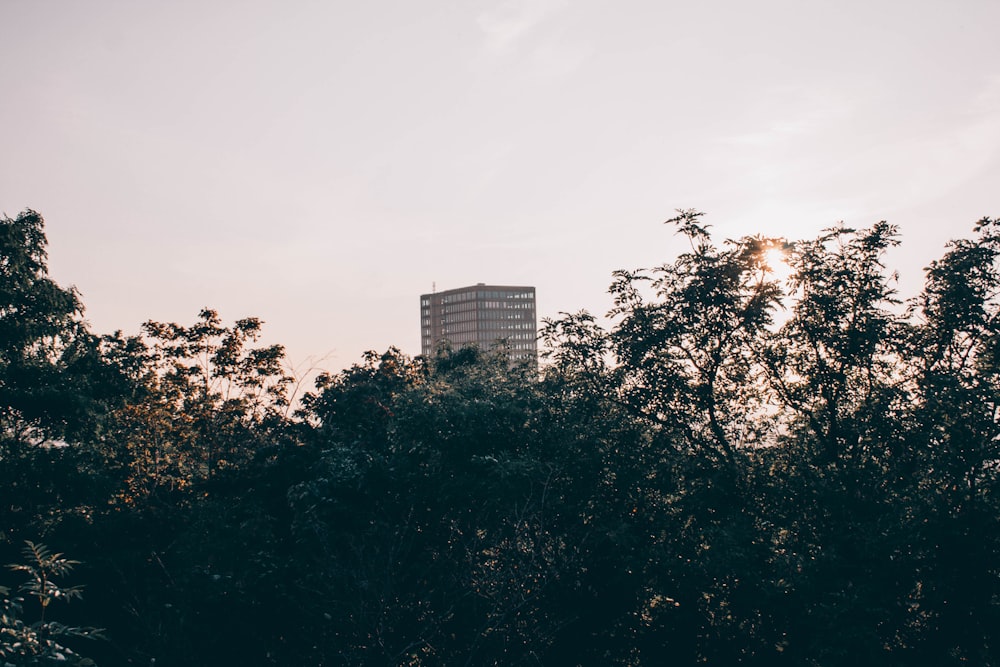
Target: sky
x,y
321,164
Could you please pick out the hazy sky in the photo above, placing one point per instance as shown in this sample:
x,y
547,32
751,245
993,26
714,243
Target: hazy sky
x,y
321,164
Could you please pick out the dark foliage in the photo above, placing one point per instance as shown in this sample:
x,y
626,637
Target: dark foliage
x,y
738,470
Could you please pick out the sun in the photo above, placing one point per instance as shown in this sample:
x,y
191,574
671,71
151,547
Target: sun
x,y
774,257
776,262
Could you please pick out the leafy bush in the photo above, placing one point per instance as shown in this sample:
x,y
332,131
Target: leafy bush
x,y
40,643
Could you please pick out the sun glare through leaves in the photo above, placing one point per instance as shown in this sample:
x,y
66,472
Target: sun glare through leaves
x,y
776,262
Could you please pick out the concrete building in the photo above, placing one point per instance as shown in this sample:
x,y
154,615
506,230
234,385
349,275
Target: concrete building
x,y
484,315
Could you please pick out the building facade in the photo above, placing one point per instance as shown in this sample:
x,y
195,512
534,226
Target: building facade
x,y
487,316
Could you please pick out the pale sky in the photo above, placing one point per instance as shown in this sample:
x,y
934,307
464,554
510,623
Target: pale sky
x,y
321,164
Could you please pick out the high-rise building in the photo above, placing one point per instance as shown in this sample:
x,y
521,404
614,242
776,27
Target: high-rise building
x,y
484,315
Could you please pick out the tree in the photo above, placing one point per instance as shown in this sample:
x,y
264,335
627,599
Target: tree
x,y
56,388
204,401
442,523
46,352
687,359
836,471
953,456
185,528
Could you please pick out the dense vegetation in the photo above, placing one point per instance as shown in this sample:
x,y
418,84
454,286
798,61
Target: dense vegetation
x,y
738,470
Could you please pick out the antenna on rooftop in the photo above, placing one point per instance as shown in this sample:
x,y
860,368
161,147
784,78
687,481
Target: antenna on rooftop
x,y
434,288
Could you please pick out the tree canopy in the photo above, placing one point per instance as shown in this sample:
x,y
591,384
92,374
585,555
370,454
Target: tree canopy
x,y
740,468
